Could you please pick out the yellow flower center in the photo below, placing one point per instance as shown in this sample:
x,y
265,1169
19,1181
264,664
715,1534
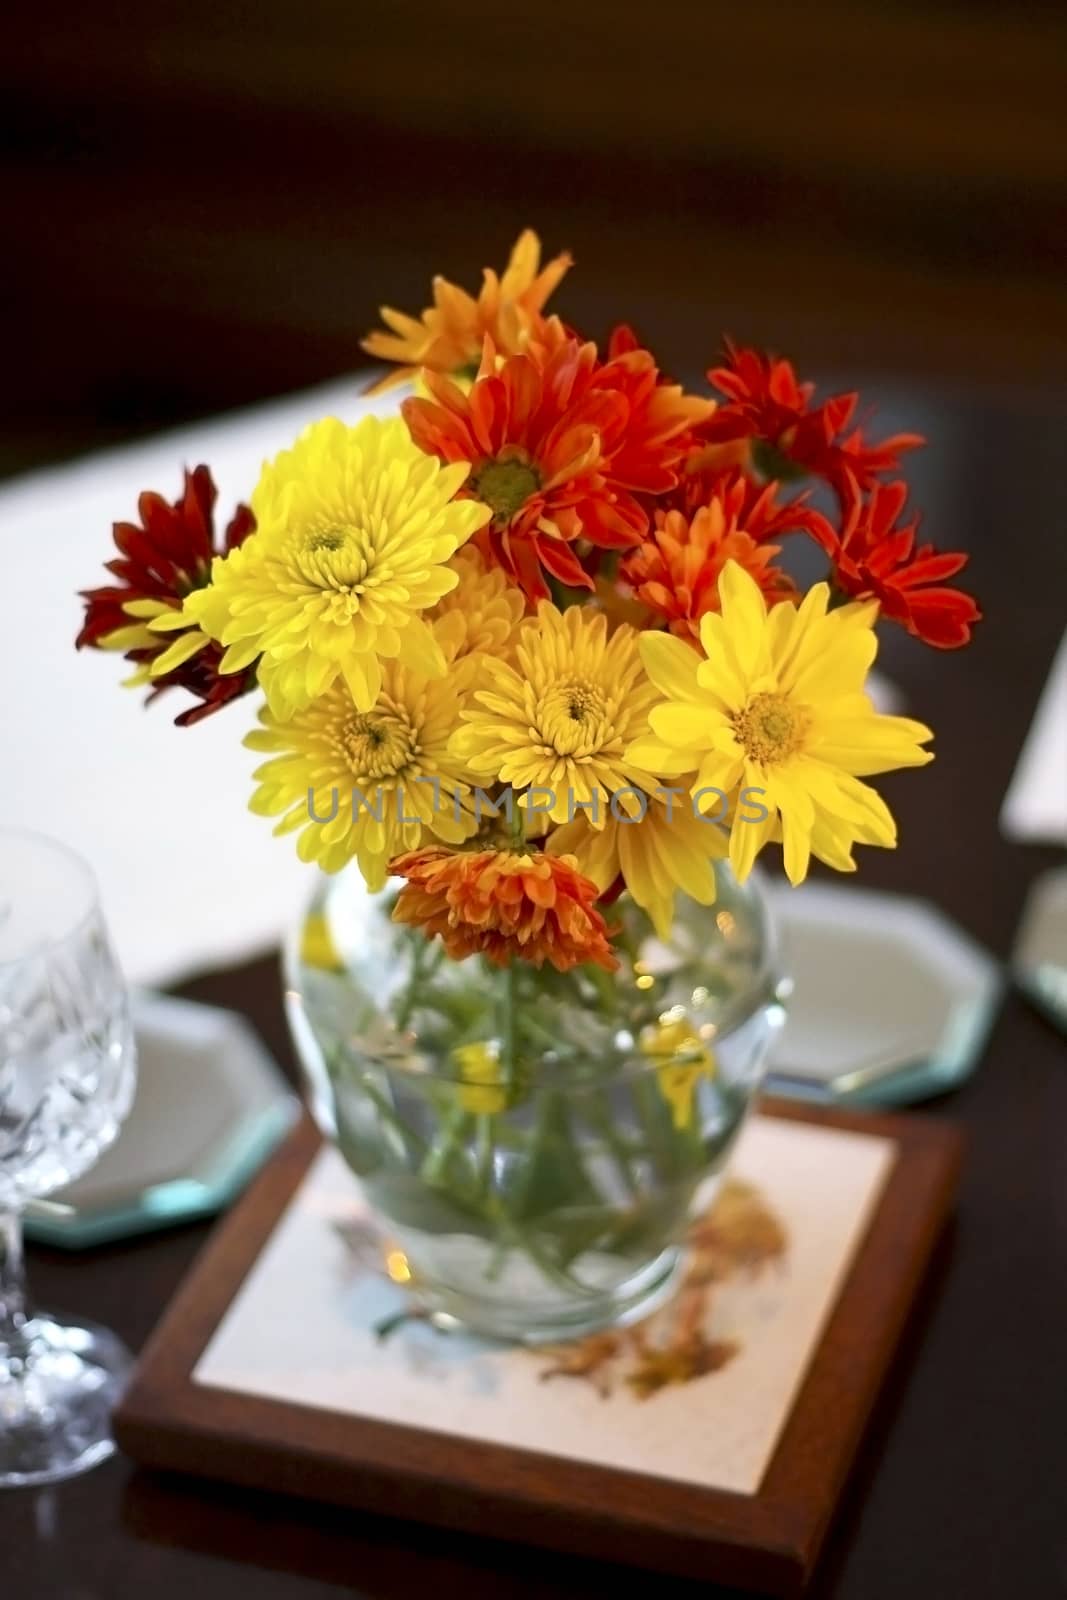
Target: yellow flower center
x,y
378,744
332,557
771,727
505,486
574,716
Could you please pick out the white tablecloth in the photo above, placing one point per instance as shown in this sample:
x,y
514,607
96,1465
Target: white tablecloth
x,y
188,877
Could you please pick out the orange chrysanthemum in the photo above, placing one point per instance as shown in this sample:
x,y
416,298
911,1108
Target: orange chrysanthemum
x,y
449,335
560,445
504,904
676,571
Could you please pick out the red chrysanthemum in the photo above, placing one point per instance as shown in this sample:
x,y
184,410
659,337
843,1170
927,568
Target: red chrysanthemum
x,y
661,417
560,446
675,572
765,401
755,506
200,677
875,554
504,904
161,559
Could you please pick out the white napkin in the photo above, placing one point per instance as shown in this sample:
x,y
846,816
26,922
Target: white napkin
x,y
188,877
1035,808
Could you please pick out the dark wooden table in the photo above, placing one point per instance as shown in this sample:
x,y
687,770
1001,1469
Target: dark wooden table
x,y
962,1487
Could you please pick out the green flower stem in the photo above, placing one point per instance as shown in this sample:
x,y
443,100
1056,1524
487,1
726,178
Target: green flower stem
x,y
607,991
411,1140
435,1166
661,1140
557,1275
536,1033
421,950
598,1110
542,1131
509,1063
485,1155
519,1238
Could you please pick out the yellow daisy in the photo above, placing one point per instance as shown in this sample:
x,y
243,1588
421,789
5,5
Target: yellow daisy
x,y
560,720
365,784
669,847
773,702
354,527
481,614
449,335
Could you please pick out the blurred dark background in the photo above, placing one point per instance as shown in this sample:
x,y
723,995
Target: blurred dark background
x,y
203,203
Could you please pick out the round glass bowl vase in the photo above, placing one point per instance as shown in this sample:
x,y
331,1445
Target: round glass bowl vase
x,y
534,1143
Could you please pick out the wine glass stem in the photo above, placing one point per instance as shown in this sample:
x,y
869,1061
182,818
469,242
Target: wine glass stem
x,y
12,1279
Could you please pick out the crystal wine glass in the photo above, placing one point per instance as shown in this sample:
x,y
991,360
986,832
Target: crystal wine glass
x,y
67,1070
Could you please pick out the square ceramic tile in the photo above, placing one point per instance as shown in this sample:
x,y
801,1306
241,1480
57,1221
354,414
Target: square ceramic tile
x,y
700,1393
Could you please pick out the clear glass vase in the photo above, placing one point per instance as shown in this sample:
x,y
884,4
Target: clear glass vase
x,y
535,1142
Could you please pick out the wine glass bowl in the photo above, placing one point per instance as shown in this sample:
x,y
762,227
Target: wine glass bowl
x,y
67,1074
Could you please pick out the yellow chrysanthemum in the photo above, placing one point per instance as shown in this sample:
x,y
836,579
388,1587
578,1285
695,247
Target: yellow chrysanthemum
x,y
481,1089
140,635
354,527
365,784
450,334
670,847
481,614
774,702
561,719
685,1058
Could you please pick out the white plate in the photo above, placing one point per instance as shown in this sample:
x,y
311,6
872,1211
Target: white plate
x,y
1039,961
891,1001
210,1106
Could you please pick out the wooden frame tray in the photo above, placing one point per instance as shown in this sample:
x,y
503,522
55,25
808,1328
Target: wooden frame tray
x,y
767,1541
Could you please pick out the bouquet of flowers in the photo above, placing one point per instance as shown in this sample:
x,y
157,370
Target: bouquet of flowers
x,y
528,651
554,574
